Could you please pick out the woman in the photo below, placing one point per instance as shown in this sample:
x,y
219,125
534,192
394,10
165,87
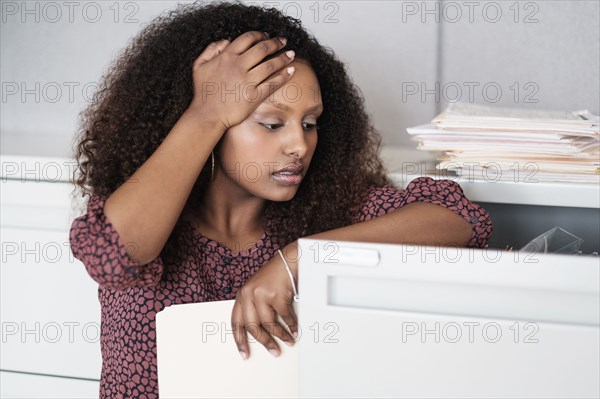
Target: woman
x,y
183,154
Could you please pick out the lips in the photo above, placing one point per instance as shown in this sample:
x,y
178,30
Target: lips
x,y
295,169
291,175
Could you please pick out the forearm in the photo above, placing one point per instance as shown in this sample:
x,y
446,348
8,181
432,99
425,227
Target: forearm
x,y
146,207
417,223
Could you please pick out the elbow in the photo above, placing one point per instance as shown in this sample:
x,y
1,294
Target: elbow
x,y
464,232
144,261
140,259
458,230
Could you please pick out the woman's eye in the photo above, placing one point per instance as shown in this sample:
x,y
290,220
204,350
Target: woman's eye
x,y
271,126
275,126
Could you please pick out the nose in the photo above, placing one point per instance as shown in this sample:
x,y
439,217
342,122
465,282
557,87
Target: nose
x,y
295,141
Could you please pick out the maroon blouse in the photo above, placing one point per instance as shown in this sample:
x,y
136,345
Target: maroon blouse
x,y
131,294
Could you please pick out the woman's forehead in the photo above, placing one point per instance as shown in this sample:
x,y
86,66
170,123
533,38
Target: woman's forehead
x,y
291,106
301,91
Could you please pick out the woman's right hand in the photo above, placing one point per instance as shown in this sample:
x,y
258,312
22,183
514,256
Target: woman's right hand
x,y
230,80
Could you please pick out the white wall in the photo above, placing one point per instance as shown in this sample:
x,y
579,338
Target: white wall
x,y
396,51
551,54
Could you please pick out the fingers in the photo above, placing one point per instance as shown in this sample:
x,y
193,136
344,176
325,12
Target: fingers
x,y
246,40
254,326
275,81
254,47
239,332
262,329
269,322
289,317
211,51
255,55
264,70
268,75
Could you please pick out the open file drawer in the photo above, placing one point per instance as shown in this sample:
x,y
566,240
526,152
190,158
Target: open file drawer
x,y
407,321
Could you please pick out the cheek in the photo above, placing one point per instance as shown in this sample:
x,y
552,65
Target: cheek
x,y
312,142
245,148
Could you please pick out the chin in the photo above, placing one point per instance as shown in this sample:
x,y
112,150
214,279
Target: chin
x,y
281,194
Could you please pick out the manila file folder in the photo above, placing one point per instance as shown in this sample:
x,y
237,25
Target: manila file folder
x,y
198,358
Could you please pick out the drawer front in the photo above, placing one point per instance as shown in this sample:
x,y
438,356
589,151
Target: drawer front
x,y
49,304
17,385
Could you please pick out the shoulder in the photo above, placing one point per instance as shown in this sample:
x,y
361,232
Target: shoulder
x,y
96,201
425,187
378,200
376,193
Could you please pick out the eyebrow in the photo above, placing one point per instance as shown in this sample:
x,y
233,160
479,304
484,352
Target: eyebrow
x,y
288,109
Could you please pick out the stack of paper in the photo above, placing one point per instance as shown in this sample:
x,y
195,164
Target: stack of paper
x,y
510,144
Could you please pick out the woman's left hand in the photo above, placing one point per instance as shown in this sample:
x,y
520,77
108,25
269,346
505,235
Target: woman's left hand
x,y
265,294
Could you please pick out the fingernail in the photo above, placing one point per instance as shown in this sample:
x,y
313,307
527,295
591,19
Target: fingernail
x,y
274,352
244,355
283,40
291,70
267,33
295,334
288,343
290,53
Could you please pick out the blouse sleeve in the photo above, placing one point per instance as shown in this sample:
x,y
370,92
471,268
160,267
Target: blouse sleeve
x,y
447,193
96,243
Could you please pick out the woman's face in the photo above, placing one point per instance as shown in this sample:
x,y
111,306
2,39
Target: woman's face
x,y
280,132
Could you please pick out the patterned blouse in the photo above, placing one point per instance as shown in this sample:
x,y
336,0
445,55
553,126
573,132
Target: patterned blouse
x,y
131,294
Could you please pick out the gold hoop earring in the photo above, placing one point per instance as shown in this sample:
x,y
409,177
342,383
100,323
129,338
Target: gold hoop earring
x,y
212,170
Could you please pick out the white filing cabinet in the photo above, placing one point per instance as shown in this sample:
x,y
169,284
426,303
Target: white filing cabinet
x,y
49,305
402,321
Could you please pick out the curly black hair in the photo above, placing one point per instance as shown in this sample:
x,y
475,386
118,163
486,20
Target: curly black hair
x,y
150,85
